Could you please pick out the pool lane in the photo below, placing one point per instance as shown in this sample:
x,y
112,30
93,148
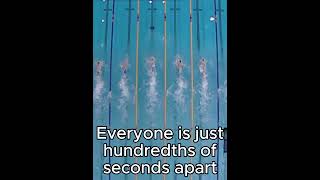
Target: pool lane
x,y
178,45
101,50
151,44
123,90
208,41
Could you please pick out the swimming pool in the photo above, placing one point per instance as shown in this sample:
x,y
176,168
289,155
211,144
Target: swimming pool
x,y
160,97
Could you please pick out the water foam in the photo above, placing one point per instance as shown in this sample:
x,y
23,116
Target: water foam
x,y
222,92
205,95
124,96
152,93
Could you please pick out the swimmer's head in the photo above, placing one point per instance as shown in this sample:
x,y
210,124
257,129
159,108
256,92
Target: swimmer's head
x,y
178,59
100,63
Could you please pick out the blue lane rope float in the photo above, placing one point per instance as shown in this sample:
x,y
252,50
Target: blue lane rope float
x,y
106,29
106,51
217,64
175,26
191,64
220,28
110,73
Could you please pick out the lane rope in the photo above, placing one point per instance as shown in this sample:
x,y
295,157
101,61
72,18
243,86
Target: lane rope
x,y
165,74
217,80
191,65
137,70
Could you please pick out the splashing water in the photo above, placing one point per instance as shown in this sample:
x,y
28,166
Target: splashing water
x,y
152,92
222,91
124,96
179,93
181,84
205,94
98,90
99,96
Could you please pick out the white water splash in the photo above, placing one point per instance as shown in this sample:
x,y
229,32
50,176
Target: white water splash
x,y
205,95
99,96
98,90
222,92
124,96
179,93
181,84
152,93
99,87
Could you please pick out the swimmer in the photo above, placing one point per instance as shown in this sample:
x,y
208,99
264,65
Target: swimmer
x,y
99,66
202,67
124,66
179,64
152,64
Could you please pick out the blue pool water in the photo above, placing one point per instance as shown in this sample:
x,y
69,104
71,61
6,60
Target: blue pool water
x,y
117,97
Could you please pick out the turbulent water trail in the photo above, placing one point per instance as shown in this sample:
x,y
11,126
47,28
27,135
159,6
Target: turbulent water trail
x,y
152,85
124,97
204,92
99,89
